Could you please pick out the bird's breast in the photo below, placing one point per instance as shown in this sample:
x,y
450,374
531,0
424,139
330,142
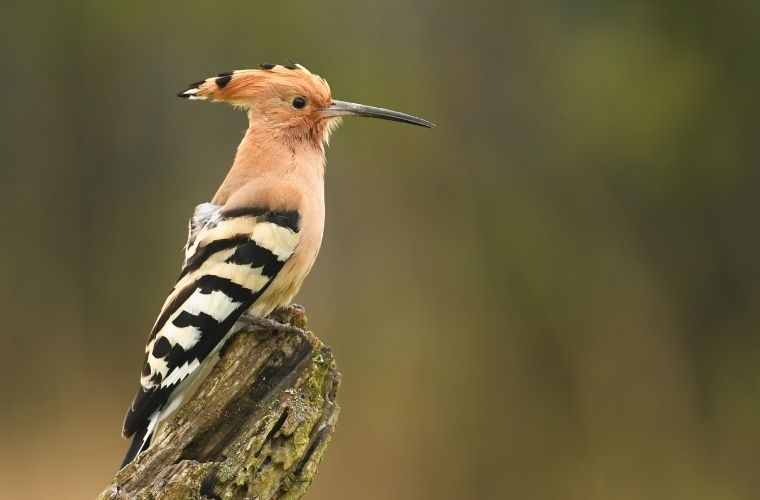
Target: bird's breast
x,y
288,281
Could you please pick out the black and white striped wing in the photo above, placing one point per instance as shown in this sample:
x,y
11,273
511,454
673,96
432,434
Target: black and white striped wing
x,y
230,259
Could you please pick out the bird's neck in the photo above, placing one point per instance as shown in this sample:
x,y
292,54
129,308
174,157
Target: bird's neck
x,y
264,154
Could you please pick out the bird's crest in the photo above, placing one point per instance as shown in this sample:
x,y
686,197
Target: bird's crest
x,y
241,87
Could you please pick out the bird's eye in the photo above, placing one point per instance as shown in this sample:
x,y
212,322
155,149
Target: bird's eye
x,y
299,102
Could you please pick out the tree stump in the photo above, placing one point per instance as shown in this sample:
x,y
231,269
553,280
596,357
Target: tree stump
x,y
256,428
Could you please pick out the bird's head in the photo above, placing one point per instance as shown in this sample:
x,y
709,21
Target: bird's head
x,y
288,101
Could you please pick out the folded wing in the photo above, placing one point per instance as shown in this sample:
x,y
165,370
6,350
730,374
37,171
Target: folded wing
x,y
231,258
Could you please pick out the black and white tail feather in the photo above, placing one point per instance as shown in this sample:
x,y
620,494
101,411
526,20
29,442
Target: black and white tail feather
x,y
231,258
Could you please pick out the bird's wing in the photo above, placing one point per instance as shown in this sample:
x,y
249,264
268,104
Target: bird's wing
x,y
231,257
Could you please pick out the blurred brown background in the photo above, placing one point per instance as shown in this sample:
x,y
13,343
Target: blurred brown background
x,y
553,295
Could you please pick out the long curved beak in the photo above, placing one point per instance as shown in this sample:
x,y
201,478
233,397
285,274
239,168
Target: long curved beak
x,y
342,108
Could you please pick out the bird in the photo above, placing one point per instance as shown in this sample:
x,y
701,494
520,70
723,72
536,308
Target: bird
x,y
250,248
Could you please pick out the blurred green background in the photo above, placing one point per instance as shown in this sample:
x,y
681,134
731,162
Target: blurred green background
x,y
553,295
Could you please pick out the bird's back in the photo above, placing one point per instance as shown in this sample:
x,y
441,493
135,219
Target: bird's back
x,y
237,259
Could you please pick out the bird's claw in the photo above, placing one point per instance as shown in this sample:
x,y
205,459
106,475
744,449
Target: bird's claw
x,y
259,323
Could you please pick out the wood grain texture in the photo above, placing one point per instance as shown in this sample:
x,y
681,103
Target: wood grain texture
x,y
257,428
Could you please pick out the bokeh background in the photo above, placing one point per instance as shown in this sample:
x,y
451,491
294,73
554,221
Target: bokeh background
x,y
553,295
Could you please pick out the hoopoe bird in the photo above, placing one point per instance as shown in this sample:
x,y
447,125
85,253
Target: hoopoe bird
x,y
250,248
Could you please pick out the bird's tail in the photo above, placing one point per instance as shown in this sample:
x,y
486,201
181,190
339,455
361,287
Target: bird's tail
x,y
140,441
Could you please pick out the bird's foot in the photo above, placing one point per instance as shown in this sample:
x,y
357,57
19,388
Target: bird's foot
x,y
259,323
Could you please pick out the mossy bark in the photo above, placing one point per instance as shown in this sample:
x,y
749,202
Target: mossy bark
x,y
256,428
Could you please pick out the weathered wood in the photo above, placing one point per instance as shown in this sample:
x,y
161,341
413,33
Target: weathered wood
x,y
257,427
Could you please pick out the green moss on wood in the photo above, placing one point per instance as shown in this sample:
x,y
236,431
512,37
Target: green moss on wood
x,y
224,444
